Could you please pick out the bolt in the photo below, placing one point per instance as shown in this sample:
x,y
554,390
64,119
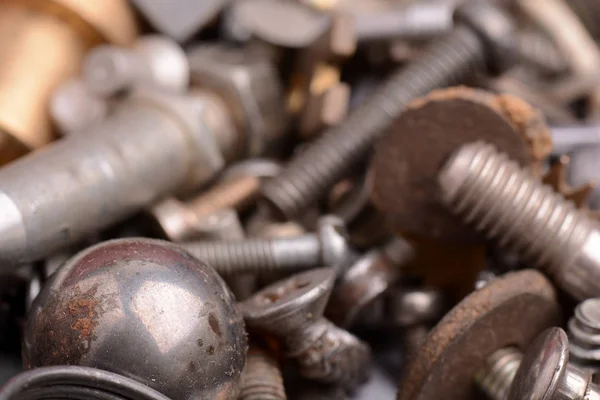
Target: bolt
x,y
261,379
510,311
486,35
545,372
497,374
584,334
292,309
496,196
153,145
329,246
153,60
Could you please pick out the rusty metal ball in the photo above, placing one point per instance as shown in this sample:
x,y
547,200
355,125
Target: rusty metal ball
x,y
144,309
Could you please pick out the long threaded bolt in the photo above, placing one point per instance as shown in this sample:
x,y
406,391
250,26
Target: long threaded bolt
x,y
584,334
496,376
261,379
497,197
329,246
451,60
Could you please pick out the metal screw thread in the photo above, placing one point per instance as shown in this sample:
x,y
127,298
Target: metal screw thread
x,y
235,193
584,334
329,354
498,372
308,176
261,379
539,51
497,197
258,255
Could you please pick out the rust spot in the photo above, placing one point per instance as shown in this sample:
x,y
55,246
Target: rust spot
x,y
192,367
214,325
211,350
200,343
84,310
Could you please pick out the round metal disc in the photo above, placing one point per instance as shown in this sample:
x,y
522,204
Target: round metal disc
x,y
510,311
409,155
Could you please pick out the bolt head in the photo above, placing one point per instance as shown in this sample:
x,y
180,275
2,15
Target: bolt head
x,y
144,309
543,367
335,242
290,304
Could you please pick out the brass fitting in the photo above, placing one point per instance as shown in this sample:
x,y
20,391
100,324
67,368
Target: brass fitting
x,y
43,43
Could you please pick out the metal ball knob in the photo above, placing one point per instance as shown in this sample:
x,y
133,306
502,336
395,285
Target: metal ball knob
x,y
144,309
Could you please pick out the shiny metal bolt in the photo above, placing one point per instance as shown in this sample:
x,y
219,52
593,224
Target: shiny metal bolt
x,y
545,372
497,197
584,334
496,376
329,246
153,61
484,35
292,309
261,379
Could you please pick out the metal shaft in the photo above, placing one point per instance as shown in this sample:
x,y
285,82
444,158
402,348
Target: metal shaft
x,y
261,378
496,376
259,255
449,61
86,182
497,197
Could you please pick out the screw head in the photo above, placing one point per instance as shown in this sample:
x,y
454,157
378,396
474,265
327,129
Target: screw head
x,y
290,304
542,368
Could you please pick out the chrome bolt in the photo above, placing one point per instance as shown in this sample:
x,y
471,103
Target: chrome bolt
x,y
329,246
497,197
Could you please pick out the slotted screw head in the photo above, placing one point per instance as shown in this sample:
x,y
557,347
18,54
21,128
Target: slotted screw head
x,y
290,304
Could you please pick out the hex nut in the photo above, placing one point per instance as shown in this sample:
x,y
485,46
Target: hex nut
x,y
249,83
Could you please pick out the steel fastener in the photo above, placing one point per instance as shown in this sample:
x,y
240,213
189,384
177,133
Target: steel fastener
x,y
292,309
450,60
496,196
329,246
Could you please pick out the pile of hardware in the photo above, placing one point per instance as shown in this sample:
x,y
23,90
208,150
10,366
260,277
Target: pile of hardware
x,y
299,199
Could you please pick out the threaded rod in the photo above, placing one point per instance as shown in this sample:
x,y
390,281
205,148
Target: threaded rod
x,y
497,197
496,376
310,174
258,255
261,378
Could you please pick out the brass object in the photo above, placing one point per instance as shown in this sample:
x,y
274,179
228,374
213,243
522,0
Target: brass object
x,y
43,43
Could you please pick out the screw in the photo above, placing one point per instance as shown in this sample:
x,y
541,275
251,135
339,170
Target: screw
x,y
450,60
292,309
329,246
497,374
497,197
545,372
584,331
261,379
154,60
